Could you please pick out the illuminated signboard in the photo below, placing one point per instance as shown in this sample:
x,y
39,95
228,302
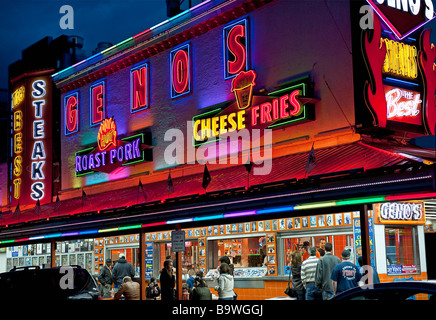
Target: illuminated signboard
x,y
31,165
249,111
71,111
403,17
403,105
97,98
410,212
139,88
235,38
180,67
111,152
398,87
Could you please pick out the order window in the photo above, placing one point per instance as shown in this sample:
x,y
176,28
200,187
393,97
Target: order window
x,y
402,250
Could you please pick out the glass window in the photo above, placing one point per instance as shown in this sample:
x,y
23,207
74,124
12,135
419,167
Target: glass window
x,y
247,252
402,251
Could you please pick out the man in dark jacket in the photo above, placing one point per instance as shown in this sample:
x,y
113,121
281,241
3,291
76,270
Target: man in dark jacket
x,y
324,270
105,278
122,269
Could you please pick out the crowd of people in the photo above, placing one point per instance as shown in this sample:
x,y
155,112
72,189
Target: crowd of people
x,y
320,276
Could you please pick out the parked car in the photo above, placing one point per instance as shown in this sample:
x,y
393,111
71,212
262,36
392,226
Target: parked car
x,y
48,284
400,290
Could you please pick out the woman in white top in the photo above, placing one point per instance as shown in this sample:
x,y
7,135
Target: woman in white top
x,y
225,283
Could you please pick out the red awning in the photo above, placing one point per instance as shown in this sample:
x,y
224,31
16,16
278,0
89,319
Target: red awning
x,y
328,160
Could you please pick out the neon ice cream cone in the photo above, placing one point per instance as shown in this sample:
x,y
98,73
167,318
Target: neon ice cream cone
x,y
242,86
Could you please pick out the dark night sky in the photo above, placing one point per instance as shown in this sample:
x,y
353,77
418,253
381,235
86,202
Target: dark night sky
x,y
24,22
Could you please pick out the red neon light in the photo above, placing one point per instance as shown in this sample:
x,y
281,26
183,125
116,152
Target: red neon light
x,y
411,196
180,71
280,108
71,114
153,224
97,104
237,49
139,88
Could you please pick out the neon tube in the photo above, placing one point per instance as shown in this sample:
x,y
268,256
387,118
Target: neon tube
x,y
273,210
315,205
154,224
179,221
360,200
218,216
240,214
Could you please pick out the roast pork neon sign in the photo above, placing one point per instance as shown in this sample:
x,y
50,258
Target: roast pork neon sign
x,y
110,153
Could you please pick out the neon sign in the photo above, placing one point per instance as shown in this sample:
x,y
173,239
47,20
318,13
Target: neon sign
x,y
403,105
411,212
71,109
110,153
405,16
98,103
180,64
31,142
278,108
401,59
139,83
235,48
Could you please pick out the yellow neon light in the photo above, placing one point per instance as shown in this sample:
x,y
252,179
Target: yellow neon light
x,y
401,59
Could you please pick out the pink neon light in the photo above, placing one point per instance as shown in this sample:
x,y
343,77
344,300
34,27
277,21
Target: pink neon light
x,y
180,68
237,49
141,33
153,224
71,113
411,196
97,104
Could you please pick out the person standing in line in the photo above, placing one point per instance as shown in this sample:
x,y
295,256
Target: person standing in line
x,y
190,280
225,283
122,269
200,290
308,271
345,275
297,284
375,277
167,282
105,278
324,270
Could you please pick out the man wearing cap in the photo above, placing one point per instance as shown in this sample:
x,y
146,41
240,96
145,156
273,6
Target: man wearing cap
x,y
345,275
105,278
122,268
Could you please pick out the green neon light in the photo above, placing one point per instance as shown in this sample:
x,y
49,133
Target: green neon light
x,y
360,200
303,87
7,241
130,227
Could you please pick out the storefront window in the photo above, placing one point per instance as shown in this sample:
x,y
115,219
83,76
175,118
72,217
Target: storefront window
x,y
190,257
246,254
402,251
339,242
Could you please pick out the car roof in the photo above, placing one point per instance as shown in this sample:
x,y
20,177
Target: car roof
x,y
390,290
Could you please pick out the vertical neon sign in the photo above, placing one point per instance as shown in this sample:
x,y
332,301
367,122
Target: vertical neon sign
x,y
97,100
139,84
235,46
180,64
71,108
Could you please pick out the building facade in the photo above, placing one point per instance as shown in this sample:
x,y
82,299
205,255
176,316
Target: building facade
x,y
253,126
